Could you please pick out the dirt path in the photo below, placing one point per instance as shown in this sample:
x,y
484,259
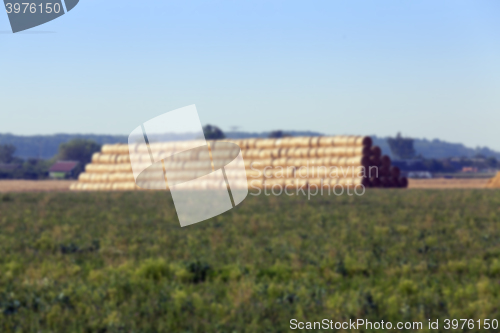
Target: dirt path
x,y
34,185
442,183
63,185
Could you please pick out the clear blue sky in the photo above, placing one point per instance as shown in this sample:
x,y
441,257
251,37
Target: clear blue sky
x,y
427,68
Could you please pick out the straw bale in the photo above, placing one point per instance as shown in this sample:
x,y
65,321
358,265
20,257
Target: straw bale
x,y
277,152
385,160
254,173
494,182
109,149
126,167
318,182
265,143
122,149
84,177
403,182
95,157
376,151
395,171
255,183
384,171
375,160
107,159
295,183
123,159
277,183
258,164
375,182
251,143
314,142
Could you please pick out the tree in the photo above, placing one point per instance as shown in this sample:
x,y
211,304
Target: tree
x,y
80,150
7,153
491,162
401,147
277,134
34,169
433,165
213,133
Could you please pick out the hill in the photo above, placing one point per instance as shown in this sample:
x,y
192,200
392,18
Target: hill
x,y
46,146
439,149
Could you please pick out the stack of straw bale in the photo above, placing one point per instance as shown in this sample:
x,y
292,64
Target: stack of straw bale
x,y
494,182
291,161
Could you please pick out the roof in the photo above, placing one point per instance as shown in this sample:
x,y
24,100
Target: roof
x,y
63,166
9,167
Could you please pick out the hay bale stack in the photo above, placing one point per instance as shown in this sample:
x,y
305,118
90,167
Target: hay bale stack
x,y
291,162
494,182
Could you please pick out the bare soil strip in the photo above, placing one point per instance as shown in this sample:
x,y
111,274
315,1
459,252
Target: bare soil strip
x,y
34,185
63,185
442,183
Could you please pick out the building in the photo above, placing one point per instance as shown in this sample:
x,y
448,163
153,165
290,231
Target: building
x,y
8,167
63,169
419,174
469,169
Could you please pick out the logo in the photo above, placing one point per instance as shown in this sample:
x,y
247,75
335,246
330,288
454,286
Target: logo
x,y
27,14
169,152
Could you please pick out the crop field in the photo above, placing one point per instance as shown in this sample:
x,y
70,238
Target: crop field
x,y
120,262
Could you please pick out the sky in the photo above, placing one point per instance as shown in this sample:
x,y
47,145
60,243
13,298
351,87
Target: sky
x,y
428,69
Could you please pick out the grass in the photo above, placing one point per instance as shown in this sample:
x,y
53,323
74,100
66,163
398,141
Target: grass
x,y
119,262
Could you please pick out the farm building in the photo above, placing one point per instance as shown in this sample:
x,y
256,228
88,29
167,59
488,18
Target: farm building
x,y
63,169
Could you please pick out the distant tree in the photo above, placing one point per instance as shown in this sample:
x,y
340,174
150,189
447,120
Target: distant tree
x,y
433,165
479,155
448,166
7,153
213,133
277,134
402,147
34,169
80,150
492,162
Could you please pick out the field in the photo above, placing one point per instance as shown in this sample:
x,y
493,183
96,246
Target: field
x,y
119,262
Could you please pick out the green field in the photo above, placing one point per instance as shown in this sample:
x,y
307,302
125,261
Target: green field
x,y
119,262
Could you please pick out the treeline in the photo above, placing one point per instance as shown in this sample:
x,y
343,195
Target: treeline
x,y
78,149
46,146
16,164
403,149
12,167
449,165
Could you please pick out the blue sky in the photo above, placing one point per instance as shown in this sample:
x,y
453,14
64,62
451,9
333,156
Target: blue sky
x,y
426,68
